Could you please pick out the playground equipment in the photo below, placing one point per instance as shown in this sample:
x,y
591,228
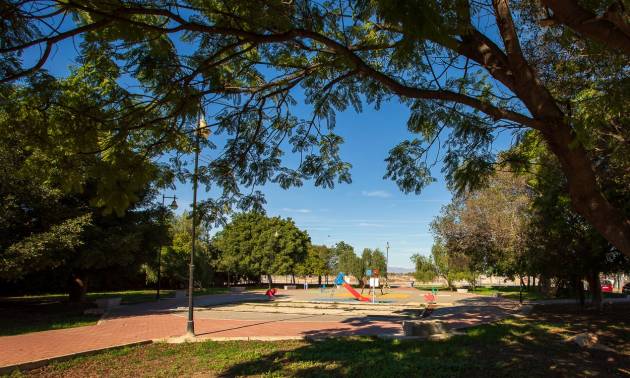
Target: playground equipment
x,y
271,293
340,280
355,293
430,298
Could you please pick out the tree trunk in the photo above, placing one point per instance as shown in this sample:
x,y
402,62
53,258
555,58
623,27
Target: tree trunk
x,y
596,290
579,287
586,195
319,280
269,280
584,190
292,278
78,287
520,290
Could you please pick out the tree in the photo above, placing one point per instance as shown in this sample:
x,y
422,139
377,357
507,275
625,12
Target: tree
x,y
318,262
348,262
374,259
77,219
451,265
426,271
502,76
561,245
253,244
175,256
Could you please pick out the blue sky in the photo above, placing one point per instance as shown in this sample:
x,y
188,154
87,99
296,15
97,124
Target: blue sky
x,y
367,213
371,211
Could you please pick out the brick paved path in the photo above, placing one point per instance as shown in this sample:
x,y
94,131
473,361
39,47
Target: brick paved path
x,y
135,323
127,329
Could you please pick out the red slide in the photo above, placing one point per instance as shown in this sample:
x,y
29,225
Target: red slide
x,y
355,293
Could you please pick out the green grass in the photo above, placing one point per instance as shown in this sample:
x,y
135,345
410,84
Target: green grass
x,y
23,316
211,291
45,312
533,346
511,292
506,291
532,294
132,296
128,296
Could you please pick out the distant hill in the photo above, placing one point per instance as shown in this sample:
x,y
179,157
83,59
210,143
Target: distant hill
x,y
394,269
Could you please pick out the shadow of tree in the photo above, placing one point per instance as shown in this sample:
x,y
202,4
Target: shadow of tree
x,y
526,347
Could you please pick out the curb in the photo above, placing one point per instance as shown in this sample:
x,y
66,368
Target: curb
x,y
46,361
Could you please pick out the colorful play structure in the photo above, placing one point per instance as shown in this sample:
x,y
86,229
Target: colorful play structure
x,y
271,293
342,280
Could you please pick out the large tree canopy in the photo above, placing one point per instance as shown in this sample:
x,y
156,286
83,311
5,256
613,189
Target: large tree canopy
x,y
253,244
467,70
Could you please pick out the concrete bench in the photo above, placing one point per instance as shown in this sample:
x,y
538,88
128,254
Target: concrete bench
x,y
108,303
103,305
422,328
290,287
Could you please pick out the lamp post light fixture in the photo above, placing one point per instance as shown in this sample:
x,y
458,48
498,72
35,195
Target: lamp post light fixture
x,y
386,266
173,206
271,258
386,261
201,131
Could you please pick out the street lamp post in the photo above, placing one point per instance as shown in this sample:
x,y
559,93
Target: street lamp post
x,y
201,130
387,261
275,246
173,206
190,325
386,267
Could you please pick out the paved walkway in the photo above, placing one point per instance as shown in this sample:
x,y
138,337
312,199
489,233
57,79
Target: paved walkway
x,y
164,319
474,311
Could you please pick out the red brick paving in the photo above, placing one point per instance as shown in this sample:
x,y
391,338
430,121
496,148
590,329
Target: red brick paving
x,y
141,327
118,331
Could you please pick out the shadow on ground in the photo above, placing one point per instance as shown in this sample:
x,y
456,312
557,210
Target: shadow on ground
x,y
532,347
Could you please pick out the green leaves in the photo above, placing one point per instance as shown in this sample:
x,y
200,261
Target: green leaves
x,y
45,250
426,271
253,244
407,168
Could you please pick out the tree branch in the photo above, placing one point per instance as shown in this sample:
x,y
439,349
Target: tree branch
x,y
610,29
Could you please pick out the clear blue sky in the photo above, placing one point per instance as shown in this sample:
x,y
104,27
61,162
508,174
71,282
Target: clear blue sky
x,y
367,213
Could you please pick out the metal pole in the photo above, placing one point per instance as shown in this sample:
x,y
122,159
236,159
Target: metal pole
x,y
159,270
387,261
190,327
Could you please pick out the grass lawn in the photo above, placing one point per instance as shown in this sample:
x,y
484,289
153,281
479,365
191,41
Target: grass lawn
x,y
128,296
510,292
211,291
529,295
507,291
52,311
533,346
23,315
